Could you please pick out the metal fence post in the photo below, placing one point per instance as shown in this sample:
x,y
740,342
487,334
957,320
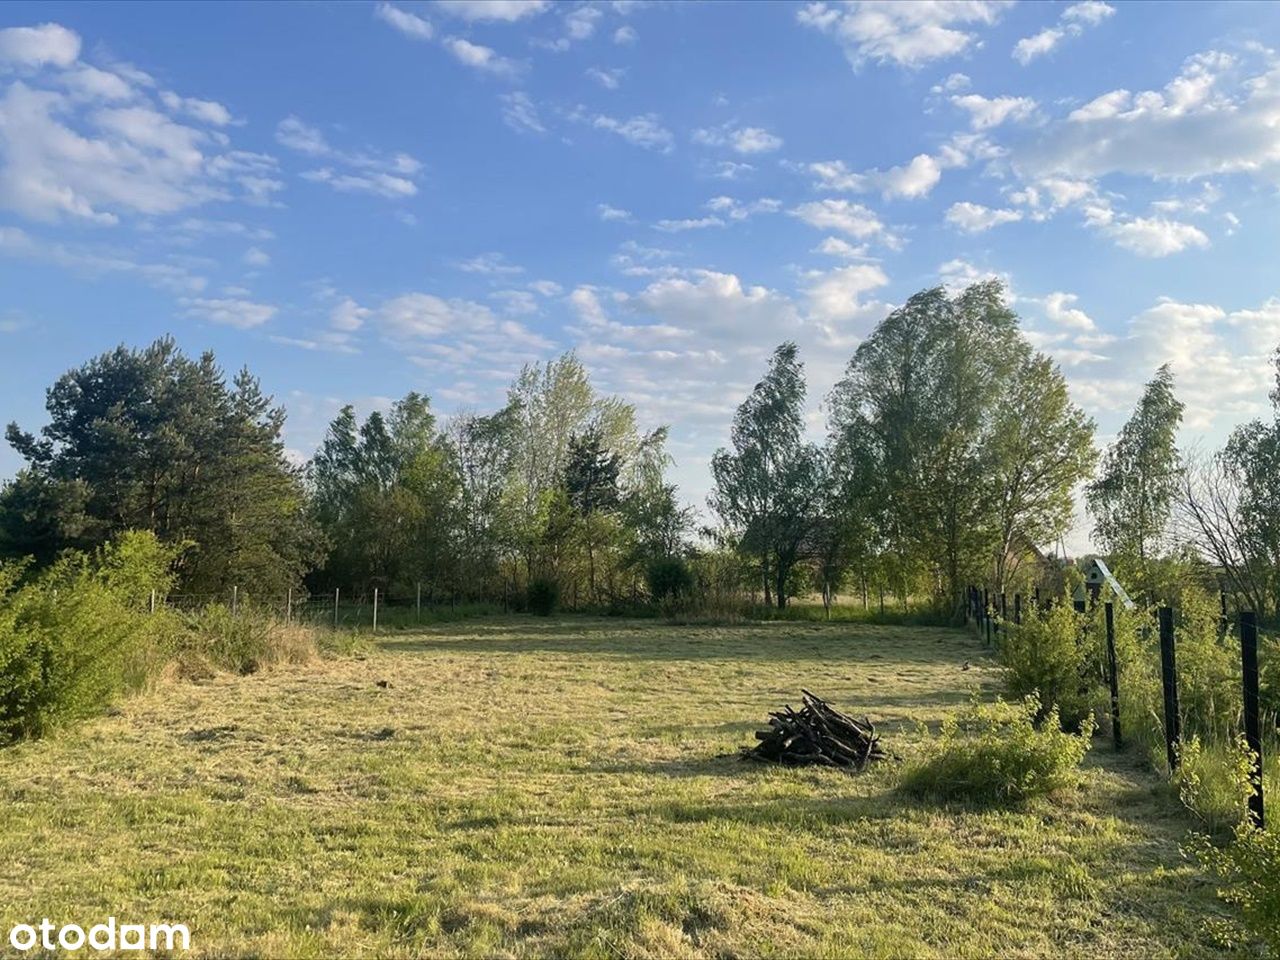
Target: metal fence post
x,y
153,599
1113,675
419,606
235,599
1169,677
288,606
1252,720
336,592
375,609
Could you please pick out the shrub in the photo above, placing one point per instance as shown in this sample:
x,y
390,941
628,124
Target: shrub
x,y
1248,867
543,596
668,578
1044,658
997,754
249,640
80,634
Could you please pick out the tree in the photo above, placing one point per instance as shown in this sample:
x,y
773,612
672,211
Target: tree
x,y
1132,498
151,440
767,487
1041,449
591,481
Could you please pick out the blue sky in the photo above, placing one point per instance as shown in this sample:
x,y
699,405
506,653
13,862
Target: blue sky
x,y
357,200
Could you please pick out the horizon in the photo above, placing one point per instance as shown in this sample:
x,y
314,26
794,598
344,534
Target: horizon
x,y
701,172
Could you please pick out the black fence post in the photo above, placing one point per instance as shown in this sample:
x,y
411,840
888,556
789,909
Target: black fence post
x,y
1252,720
1035,597
1017,608
986,612
1169,677
1222,602
1113,673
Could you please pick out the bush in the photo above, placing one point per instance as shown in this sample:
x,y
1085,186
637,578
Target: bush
x,y
997,754
80,634
543,596
1248,867
668,578
246,641
1044,658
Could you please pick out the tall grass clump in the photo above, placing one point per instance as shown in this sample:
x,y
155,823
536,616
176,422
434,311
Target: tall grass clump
x,y
250,639
998,754
80,634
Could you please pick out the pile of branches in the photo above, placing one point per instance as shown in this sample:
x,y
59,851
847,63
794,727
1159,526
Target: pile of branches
x,y
817,734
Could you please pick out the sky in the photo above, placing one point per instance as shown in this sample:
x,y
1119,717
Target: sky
x,y
358,200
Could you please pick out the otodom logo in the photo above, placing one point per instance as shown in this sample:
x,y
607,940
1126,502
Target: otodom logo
x,y
104,937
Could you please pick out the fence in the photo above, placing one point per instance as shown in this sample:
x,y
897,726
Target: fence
x,y
988,613
339,610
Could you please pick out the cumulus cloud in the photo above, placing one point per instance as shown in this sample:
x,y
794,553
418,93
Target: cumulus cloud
x,y
47,44
493,11
1155,236
479,57
987,112
743,140
852,219
906,34
975,218
642,131
411,25
1073,22
911,180
380,174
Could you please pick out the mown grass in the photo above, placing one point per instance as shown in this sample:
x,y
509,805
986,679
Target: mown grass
x,y
524,787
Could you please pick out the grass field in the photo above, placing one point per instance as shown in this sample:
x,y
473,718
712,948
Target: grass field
x,y
527,787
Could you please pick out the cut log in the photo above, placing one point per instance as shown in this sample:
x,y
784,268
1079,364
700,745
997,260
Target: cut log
x,y
818,735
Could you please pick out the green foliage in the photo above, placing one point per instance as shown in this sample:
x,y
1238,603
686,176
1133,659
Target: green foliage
x,y
246,641
152,440
768,488
998,754
543,596
1044,658
1248,866
1132,498
669,578
79,635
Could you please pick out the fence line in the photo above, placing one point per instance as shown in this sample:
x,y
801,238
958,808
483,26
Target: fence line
x,y
980,611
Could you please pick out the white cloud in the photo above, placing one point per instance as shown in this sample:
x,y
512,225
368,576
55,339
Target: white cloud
x,y
852,219
520,113
743,140
835,296
911,180
97,262
1072,23
257,257
411,25
47,44
610,79
1217,116
643,131
975,218
987,112
835,247
348,316
1059,308
293,133
479,57
1155,236
230,312
63,158
490,264
625,35
206,111
615,214
378,184
906,34
506,11
680,226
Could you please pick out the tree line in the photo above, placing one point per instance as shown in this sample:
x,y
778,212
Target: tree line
x,y
952,455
